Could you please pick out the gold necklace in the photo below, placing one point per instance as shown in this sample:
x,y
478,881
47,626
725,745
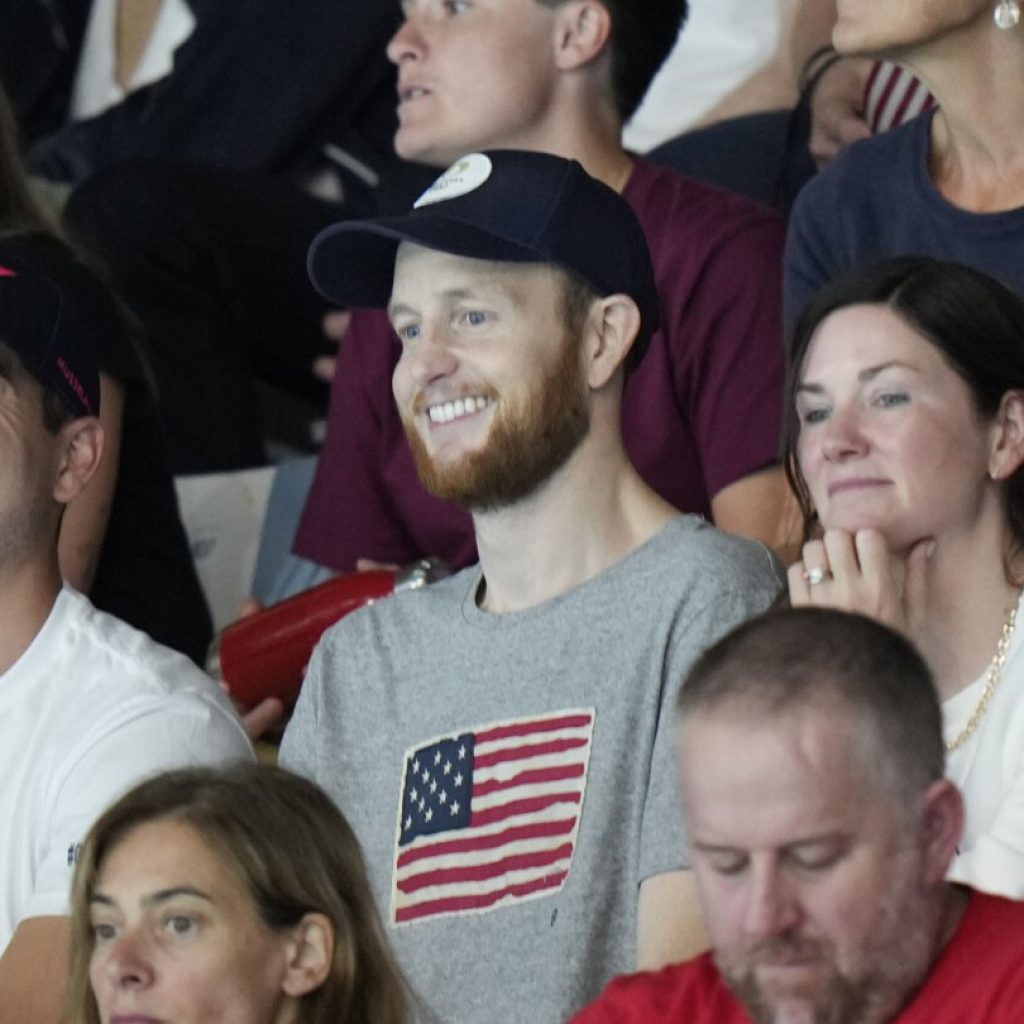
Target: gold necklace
x,y
995,671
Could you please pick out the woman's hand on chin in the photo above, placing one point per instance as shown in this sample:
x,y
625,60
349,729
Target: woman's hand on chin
x,y
858,572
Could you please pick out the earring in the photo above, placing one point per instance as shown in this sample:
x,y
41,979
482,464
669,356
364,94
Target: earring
x,y
1006,14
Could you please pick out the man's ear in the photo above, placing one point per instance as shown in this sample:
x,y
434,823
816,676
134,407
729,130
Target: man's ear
x,y
612,327
310,955
582,28
942,821
82,443
1007,452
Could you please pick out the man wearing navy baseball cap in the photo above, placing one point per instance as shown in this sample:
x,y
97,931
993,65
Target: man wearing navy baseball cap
x,y
88,705
502,742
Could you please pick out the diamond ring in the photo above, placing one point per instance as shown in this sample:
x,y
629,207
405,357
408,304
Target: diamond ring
x,y
816,575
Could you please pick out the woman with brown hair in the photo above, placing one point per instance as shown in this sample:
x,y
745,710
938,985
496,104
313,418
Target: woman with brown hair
x,y
229,895
905,446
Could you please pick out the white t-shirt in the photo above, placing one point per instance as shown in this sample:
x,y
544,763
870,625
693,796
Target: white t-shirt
x,y
92,707
989,769
96,87
722,43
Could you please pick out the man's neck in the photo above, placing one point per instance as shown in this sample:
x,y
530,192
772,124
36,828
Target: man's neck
x,y
584,129
27,596
956,898
609,163
587,517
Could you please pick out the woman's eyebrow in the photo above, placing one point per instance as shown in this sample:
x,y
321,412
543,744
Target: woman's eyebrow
x,y
157,897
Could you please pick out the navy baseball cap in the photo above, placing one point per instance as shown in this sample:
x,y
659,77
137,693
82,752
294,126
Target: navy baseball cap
x,y
52,313
504,205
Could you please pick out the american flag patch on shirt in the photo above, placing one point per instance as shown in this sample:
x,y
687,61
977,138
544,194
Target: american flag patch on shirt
x,y
490,816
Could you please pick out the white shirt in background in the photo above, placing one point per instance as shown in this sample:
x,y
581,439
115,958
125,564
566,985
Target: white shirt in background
x,y
96,87
722,43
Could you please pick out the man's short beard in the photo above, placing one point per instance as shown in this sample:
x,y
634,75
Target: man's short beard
x,y
526,444
842,1002
885,980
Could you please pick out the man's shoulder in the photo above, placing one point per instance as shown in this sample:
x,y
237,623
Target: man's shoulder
x,y
864,173
405,612
691,548
717,260
997,923
105,639
667,202
979,976
692,991
688,561
104,663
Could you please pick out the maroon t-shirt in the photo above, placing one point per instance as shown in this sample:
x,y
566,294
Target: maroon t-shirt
x,y
701,411
978,979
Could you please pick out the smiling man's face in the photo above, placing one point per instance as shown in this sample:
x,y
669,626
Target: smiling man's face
x,y
490,385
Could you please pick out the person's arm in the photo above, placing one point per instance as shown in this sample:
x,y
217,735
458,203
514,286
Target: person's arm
x,y
728,354
761,506
669,926
806,28
809,30
669,923
300,746
250,86
85,520
774,85
771,87
33,971
836,83
837,109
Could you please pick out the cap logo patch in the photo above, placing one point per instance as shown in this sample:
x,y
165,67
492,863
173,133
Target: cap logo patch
x,y
464,176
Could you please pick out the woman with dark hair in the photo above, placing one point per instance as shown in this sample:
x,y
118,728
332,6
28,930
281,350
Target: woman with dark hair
x,y
905,444
230,895
122,541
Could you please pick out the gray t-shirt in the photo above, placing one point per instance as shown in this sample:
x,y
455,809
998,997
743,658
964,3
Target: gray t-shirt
x,y
512,778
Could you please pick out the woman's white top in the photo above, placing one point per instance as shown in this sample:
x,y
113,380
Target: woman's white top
x,y
989,769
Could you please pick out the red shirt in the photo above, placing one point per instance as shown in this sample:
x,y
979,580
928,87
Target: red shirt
x,y
978,979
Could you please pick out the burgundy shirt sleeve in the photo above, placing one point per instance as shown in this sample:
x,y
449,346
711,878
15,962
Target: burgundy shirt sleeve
x,y
735,389
349,513
711,386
